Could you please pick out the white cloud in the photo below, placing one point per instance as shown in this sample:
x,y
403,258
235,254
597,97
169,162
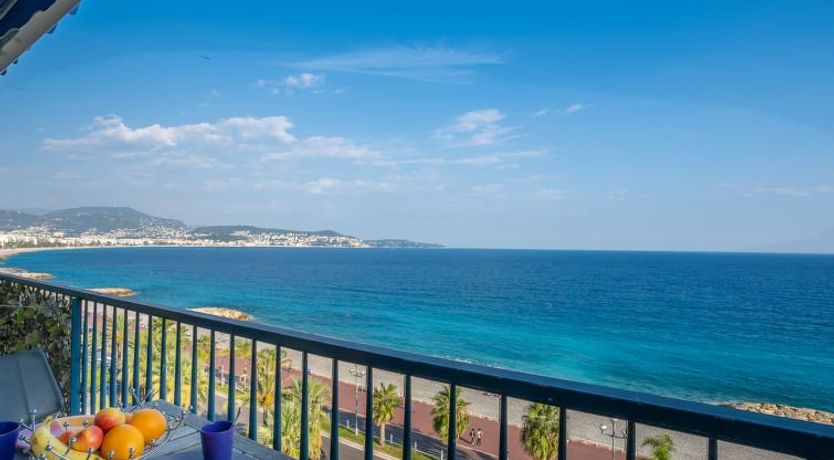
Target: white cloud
x,y
326,185
551,194
618,195
541,113
304,80
476,128
576,108
112,132
785,191
323,146
412,62
290,83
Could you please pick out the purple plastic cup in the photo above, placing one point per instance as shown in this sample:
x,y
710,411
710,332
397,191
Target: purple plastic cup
x,y
217,439
8,439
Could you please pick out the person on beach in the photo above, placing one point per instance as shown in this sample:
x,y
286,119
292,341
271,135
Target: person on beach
x,y
472,436
479,437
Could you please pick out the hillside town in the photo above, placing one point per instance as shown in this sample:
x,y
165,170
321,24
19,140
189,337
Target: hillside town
x,y
47,237
103,226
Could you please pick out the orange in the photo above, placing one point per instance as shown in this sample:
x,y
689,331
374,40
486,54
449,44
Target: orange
x,y
120,439
150,422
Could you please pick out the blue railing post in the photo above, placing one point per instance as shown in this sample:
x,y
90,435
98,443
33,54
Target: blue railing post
x,y
305,409
230,399
503,450
253,392
631,441
407,419
369,413
563,433
334,411
75,356
453,421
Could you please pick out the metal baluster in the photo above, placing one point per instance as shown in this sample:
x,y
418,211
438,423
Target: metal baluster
x,y
369,418
453,422
305,408
102,397
85,359
194,366
113,360
631,441
407,420
211,413
276,422
163,362
125,353
712,451
232,383
103,377
563,433
334,411
93,362
503,448
136,344
149,362
178,368
253,393
75,356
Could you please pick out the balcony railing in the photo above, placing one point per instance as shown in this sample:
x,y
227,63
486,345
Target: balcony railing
x,y
97,380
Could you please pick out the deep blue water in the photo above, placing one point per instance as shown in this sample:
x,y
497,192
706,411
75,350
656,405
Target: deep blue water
x,y
712,327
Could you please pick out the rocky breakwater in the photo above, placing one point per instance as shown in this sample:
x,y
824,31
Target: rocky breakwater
x,y
115,291
782,410
229,313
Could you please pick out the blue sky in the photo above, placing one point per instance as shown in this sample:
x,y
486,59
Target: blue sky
x,y
601,125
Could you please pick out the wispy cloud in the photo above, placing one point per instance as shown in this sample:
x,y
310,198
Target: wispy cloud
x,y
323,146
541,112
290,83
574,108
411,62
784,191
112,132
476,128
551,194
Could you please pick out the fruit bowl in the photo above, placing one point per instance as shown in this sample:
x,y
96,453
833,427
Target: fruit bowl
x,y
67,438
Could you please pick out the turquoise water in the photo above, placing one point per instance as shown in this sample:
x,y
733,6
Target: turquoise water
x,y
711,327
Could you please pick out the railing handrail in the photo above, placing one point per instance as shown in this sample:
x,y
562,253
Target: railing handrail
x,y
779,434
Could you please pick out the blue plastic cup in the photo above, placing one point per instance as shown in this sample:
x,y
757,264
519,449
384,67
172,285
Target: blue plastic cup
x,y
8,438
217,439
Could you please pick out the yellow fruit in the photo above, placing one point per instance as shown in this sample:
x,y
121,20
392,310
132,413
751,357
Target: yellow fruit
x,y
43,437
150,422
120,439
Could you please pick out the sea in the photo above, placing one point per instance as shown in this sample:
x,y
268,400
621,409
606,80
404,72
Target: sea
x,y
712,327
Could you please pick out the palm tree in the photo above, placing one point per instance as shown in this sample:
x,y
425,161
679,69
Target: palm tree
x,y
540,431
265,377
440,413
317,396
386,401
662,446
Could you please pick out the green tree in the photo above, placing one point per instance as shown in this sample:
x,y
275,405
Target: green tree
x,y
440,413
386,401
662,446
540,431
317,397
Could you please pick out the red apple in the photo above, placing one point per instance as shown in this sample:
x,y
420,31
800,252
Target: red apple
x,y
89,438
67,436
108,418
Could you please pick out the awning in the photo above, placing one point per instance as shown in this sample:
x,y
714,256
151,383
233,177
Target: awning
x,y
23,22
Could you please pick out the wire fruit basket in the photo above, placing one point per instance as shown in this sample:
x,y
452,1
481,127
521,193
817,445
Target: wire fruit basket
x,y
51,448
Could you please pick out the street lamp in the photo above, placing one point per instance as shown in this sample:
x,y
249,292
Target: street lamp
x,y
357,375
611,432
